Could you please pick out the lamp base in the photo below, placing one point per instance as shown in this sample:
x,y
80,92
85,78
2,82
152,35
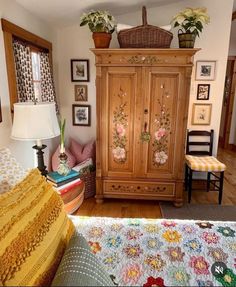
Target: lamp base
x,y
41,166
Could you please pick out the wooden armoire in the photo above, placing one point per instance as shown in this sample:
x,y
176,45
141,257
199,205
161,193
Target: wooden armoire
x,y
142,107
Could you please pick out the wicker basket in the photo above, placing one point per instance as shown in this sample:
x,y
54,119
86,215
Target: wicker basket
x,y
89,179
144,36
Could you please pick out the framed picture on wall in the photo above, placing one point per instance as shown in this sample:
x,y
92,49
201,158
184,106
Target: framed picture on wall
x,y
81,115
201,114
205,70
79,70
203,91
81,93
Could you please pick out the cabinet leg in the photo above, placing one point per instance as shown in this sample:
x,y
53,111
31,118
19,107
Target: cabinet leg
x,y
99,200
178,203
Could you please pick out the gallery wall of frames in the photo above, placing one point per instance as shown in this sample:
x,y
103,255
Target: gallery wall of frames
x,y
81,113
201,111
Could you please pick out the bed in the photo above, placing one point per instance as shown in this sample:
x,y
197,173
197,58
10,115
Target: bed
x,y
154,252
134,252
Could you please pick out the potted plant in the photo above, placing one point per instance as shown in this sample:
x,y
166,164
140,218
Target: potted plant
x,y
191,23
101,23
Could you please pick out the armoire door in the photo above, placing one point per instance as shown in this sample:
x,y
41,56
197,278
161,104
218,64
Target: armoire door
x,y
163,86
120,121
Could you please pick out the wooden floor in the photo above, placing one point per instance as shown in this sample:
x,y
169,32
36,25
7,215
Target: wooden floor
x,y
151,209
120,208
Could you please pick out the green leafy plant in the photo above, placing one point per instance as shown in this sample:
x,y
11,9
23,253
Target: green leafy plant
x,y
191,20
62,124
98,21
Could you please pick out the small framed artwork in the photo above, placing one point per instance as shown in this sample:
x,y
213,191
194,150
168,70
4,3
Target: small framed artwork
x,y
79,70
203,91
201,114
81,115
81,93
205,70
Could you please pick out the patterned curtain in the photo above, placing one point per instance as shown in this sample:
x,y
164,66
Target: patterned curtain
x,y
47,85
24,77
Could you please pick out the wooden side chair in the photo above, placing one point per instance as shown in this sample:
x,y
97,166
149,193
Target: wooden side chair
x,y
199,158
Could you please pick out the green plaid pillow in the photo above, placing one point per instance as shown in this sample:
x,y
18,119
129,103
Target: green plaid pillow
x,y
80,267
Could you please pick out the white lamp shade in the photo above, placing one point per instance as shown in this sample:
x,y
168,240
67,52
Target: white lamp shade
x,y
34,121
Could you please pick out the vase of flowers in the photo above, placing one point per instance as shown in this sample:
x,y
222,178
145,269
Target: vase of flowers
x,y
63,167
190,21
101,23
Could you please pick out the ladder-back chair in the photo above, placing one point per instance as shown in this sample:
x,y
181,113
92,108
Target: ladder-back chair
x,y
199,159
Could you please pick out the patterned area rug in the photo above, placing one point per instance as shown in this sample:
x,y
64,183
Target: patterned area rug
x,y
158,252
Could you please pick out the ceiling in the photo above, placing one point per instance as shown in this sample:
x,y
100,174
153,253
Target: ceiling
x,y
62,13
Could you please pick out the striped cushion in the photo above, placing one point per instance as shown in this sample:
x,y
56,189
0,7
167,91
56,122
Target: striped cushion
x,y
34,232
204,163
80,267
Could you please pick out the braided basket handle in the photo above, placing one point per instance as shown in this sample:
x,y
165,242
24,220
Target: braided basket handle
x,y
144,15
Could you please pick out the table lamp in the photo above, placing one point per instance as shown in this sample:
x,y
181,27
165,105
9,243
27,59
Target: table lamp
x,y
35,121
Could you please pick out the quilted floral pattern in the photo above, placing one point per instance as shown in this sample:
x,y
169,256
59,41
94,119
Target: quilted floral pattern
x,y
149,252
11,171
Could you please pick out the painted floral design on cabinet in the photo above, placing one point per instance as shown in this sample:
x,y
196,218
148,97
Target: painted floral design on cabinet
x,y
162,131
120,122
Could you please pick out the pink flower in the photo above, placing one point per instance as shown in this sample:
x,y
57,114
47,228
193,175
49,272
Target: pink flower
x,y
120,130
199,265
131,274
160,133
169,223
175,254
133,234
133,251
210,237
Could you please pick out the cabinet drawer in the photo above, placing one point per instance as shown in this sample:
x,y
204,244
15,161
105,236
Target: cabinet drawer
x,y
139,188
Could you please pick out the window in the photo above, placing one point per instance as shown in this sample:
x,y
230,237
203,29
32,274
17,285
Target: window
x,y
36,84
35,59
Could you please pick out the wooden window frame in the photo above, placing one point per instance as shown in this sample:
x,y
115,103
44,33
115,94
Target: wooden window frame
x,y
11,31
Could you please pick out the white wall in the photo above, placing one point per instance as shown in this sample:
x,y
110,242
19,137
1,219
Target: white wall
x,y
214,44
14,13
75,41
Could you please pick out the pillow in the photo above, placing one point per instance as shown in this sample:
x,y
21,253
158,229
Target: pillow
x,y
86,163
81,152
71,161
34,232
11,172
80,267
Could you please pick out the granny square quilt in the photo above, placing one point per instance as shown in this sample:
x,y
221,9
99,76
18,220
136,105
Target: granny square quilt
x,y
159,252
